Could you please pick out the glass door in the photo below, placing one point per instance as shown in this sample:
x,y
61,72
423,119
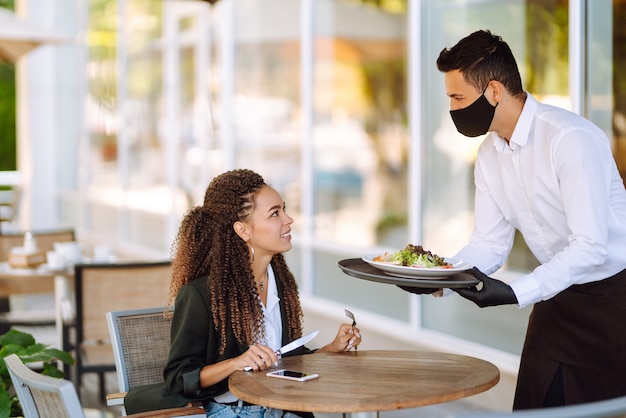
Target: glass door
x,y
604,99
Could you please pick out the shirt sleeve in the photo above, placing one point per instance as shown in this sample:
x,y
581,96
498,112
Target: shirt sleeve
x,y
582,162
492,237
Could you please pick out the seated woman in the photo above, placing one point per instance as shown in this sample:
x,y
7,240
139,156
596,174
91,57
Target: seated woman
x,y
236,300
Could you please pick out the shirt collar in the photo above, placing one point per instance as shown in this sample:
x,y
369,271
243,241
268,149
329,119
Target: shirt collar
x,y
272,290
522,127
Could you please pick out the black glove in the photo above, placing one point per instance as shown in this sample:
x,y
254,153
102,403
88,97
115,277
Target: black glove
x,y
494,292
418,290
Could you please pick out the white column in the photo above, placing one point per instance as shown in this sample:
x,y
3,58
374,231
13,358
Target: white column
x,y
47,118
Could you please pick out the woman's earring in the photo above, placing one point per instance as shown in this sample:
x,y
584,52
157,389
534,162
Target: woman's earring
x,y
251,252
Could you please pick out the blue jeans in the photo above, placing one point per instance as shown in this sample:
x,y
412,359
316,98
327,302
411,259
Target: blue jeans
x,y
218,410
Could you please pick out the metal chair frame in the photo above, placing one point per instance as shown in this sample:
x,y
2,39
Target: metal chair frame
x,y
48,397
610,408
141,343
43,396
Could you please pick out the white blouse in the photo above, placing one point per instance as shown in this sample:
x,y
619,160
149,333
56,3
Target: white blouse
x,y
273,325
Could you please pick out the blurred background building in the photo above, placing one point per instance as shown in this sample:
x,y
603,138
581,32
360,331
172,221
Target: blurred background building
x,y
337,103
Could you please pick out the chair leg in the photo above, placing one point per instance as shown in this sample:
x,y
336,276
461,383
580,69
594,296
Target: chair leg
x,y
4,307
102,387
68,346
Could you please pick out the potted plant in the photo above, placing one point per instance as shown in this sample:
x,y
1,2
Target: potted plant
x,y
29,351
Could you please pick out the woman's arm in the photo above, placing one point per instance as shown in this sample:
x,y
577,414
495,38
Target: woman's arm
x,y
194,343
195,366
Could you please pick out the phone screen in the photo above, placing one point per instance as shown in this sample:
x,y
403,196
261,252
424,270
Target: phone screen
x,y
292,375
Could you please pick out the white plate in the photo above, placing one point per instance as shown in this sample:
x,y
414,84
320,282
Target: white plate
x,y
419,272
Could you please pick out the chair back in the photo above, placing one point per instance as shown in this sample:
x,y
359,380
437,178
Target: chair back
x,y
610,408
102,288
45,240
141,344
43,396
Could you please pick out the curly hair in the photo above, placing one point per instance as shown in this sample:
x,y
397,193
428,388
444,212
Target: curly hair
x,y
482,57
207,245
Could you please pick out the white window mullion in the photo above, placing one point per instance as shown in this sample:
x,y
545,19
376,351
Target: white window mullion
x,y
416,134
577,52
307,37
122,131
227,83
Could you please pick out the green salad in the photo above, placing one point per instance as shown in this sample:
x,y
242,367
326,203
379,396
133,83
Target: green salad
x,y
417,256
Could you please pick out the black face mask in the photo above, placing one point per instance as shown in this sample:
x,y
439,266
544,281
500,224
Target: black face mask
x,y
475,119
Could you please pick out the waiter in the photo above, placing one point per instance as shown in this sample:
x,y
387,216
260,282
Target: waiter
x,y
550,174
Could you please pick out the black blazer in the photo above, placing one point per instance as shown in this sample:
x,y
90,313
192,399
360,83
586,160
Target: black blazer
x,y
195,343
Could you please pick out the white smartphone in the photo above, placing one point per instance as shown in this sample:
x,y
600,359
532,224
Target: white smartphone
x,y
292,375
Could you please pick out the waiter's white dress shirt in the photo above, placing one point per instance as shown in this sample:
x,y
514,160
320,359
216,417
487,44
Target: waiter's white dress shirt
x,y
557,182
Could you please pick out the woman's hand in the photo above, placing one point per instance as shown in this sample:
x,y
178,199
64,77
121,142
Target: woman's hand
x,y
346,339
258,357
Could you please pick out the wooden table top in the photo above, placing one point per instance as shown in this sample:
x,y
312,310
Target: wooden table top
x,y
26,281
360,381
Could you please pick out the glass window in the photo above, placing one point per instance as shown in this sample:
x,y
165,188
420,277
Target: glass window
x,y
168,108
360,142
143,100
266,98
360,132
605,104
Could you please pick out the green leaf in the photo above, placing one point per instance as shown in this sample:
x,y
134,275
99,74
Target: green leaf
x,y
5,404
51,370
35,348
47,354
17,337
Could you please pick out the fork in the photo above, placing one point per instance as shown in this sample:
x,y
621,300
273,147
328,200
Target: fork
x,y
351,316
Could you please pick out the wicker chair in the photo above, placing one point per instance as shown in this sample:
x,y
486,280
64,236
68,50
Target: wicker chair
x,y
101,288
48,397
141,343
43,396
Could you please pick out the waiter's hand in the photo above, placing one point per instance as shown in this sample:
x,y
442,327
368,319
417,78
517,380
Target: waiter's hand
x,y
493,292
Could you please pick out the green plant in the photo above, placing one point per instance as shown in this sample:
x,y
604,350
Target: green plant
x,y
29,351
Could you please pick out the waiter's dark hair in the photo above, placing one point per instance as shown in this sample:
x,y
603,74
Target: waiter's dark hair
x,y
482,57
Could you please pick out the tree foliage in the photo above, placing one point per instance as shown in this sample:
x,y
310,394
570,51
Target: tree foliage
x,y
7,108
7,117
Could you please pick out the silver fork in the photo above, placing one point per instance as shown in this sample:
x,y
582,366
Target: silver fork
x,y
351,316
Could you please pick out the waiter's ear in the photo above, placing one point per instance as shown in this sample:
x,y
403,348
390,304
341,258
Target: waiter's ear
x,y
495,92
242,230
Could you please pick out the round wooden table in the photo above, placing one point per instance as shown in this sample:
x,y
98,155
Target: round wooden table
x,y
365,382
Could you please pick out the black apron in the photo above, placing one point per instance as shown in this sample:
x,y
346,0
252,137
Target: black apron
x,y
582,330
